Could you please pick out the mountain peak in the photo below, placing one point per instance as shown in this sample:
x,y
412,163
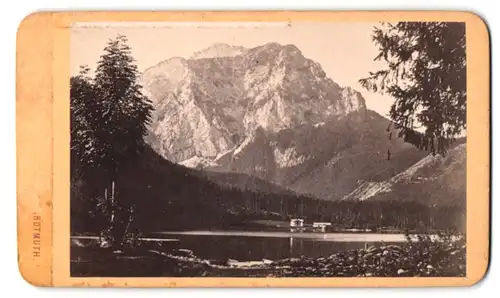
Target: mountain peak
x,y
272,45
352,99
219,50
273,48
291,48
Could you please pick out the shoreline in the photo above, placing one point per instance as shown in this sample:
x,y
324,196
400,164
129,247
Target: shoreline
x,y
426,257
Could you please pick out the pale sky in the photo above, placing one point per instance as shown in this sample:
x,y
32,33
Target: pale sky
x,y
344,50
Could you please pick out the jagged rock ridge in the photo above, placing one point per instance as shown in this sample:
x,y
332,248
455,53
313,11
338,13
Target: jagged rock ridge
x,y
326,161
433,180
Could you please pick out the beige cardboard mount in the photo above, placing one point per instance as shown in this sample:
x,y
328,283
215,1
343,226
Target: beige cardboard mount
x,y
43,146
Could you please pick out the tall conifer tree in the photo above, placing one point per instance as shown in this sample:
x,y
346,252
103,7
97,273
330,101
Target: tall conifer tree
x,y
426,76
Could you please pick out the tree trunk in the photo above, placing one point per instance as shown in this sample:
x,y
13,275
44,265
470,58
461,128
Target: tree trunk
x,y
113,205
116,229
130,218
105,203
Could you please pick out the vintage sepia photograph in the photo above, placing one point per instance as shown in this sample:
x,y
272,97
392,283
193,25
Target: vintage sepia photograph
x,y
268,149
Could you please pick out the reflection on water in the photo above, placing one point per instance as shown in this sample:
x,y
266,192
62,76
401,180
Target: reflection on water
x,y
247,246
336,237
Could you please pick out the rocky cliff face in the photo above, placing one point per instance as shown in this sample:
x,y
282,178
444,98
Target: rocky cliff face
x,y
208,105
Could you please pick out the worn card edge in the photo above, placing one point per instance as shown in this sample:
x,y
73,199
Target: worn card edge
x,y
42,89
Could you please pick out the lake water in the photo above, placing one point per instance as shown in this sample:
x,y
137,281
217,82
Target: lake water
x,y
257,245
